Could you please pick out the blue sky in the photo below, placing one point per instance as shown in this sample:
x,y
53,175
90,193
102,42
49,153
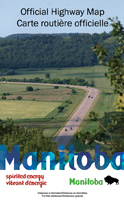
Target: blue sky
x,y
10,14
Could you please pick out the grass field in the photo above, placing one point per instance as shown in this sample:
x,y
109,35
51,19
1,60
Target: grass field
x,y
43,94
16,88
25,109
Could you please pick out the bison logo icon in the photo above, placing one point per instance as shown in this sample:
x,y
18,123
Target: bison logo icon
x,y
110,180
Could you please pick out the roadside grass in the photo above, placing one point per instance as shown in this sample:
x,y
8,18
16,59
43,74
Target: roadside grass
x,y
104,104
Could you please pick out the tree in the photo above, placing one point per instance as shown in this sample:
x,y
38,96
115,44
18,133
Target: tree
x,y
73,91
60,109
19,98
3,97
115,64
56,87
30,140
29,88
116,75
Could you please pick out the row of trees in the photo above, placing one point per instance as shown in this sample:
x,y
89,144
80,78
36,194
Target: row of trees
x,y
76,81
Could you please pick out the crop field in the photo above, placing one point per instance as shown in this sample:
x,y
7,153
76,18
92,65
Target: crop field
x,y
25,109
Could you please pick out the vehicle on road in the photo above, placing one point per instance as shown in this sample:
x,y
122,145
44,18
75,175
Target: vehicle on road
x,y
70,128
65,129
89,96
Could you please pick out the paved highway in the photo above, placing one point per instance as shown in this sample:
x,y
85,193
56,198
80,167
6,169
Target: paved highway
x,y
64,136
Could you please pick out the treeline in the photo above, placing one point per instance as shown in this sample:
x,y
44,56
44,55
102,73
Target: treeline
x,y
76,81
41,51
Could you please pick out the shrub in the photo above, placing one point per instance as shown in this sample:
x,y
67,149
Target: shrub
x,y
1,121
24,79
47,75
2,79
3,94
60,108
33,99
73,91
29,88
19,98
68,101
3,97
56,87
10,72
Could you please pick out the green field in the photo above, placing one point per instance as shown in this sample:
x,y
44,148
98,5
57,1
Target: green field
x,y
41,92
25,109
16,88
95,73
43,111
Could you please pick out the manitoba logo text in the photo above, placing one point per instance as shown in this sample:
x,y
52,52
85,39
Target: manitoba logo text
x,y
15,154
86,181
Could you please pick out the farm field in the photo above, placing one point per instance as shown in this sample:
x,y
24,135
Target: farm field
x,y
15,88
38,108
25,109
43,93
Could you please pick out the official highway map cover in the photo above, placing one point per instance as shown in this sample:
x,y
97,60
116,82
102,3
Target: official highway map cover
x,y
61,101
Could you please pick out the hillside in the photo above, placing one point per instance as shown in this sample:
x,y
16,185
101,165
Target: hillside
x,y
53,50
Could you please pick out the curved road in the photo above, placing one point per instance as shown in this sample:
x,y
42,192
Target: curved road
x,y
64,136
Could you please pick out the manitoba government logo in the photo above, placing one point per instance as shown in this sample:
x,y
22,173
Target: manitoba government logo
x,y
86,181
